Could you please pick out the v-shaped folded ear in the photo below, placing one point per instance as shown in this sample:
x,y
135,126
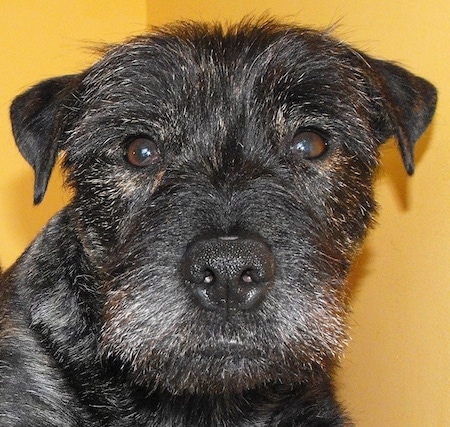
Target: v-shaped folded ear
x,y
38,118
408,104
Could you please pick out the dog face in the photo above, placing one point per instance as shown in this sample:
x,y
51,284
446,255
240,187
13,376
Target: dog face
x,y
222,186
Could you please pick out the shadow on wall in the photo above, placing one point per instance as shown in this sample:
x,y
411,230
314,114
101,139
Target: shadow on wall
x,y
393,171
28,219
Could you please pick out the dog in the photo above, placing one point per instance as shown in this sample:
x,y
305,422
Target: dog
x,y
222,186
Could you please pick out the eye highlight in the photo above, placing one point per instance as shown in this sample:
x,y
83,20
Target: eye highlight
x,y
142,152
308,145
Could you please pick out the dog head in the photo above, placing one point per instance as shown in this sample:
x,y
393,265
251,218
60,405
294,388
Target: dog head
x,y
222,186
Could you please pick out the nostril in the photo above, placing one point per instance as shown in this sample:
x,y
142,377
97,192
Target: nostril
x,y
209,277
247,276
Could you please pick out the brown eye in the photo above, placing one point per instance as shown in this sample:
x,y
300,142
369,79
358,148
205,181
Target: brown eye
x,y
142,152
308,145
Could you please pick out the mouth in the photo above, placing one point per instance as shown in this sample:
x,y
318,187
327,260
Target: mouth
x,y
232,349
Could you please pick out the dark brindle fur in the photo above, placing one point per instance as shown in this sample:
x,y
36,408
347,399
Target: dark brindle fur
x,y
222,186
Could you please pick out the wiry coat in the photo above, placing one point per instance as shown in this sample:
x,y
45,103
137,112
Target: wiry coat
x,y
98,325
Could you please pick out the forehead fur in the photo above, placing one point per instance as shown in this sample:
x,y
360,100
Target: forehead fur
x,y
257,69
253,81
202,57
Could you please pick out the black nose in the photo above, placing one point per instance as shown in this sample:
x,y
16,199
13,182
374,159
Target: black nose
x,y
229,272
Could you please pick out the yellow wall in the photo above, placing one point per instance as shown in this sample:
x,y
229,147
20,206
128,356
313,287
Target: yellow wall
x,y
397,368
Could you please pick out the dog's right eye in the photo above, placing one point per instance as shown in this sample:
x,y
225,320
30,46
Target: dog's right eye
x,y
142,152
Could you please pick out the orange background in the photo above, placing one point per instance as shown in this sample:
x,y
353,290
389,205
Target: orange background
x,y
397,368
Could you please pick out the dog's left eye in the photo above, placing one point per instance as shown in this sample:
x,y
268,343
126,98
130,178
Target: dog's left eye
x,y
142,152
308,144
